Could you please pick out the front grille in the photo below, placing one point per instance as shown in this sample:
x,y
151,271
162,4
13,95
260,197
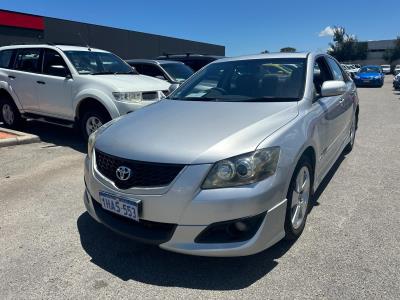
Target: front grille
x,y
149,96
143,174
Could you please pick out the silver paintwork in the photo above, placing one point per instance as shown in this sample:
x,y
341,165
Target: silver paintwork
x,y
198,134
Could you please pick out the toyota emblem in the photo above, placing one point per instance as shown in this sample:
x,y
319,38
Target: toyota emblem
x,y
123,173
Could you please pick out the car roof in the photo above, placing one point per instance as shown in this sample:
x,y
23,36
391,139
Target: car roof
x,y
50,46
153,61
267,55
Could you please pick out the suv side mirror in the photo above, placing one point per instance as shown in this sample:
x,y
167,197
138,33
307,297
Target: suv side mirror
x,y
333,88
58,70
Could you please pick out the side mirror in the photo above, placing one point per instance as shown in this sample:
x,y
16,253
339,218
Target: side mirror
x,y
333,88
58,70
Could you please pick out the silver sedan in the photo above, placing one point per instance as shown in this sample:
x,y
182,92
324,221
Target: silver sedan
x,y
228,164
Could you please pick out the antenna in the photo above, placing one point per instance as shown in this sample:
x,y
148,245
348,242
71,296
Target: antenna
x,y
84,41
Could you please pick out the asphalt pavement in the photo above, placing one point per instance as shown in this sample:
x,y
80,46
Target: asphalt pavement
x,y
350,249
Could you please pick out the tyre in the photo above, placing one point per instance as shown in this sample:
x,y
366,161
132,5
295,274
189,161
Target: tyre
x,y
92,120
10,115
353,130
299,198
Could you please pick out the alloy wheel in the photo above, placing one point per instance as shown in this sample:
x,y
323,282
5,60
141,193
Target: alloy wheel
x,y
92,124
300,197
8,114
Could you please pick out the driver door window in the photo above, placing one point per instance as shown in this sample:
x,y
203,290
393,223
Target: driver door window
x,y
54,64
321,74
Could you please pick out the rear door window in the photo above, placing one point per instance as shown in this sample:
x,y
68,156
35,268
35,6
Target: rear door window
x,y
28,60
5,58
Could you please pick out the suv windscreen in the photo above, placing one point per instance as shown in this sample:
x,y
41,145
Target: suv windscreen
x,y
178,72
256,80
98,63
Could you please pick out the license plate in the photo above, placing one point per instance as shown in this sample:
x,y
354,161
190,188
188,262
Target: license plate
x,y
119,205
366,80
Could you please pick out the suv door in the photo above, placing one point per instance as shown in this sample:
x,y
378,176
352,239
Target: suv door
x,y
346,100
24,77
329,127
55,88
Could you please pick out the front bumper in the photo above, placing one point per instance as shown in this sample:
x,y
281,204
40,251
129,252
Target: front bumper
x,y
174,216
371,82
127,107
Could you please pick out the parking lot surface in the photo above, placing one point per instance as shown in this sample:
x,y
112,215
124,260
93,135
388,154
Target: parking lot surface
x,y
51,248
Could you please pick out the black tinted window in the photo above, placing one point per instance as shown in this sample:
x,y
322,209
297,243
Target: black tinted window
x,y
54,64
28,60
151,70
5,58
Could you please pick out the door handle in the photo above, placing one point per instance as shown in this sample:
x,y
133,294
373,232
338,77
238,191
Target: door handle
x,y
341,100
41,82
11,76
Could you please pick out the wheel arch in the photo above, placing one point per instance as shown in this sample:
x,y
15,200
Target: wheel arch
x,y
89,103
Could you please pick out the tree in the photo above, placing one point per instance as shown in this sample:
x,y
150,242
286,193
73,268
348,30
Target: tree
x,y
288,49
346,47
391,55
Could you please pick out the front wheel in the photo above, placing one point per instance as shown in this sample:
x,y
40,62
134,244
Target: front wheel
x,y
299,199
10,114
91,121
353,129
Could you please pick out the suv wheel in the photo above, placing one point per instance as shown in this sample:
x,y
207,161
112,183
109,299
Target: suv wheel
x,y
299,199
91,121
9,114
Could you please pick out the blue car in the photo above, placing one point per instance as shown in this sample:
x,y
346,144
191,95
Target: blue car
x,y
369,76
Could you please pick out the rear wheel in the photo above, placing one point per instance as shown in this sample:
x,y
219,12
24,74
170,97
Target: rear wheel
x,y
298,199
93,120
9,114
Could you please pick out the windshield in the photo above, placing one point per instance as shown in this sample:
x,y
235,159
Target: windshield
x,y
179,72
370,70
98,63
256,80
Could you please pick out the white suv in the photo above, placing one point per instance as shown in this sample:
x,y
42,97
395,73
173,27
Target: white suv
x,y
70,86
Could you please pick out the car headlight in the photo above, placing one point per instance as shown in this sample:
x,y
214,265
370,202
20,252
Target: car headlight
x,y
243,169
356,77
377,77
94,135
128,96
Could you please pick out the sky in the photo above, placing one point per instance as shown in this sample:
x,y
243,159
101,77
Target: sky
x,y
243,27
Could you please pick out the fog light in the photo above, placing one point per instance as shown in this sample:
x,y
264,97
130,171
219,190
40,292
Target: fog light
x,y
238,230
241,226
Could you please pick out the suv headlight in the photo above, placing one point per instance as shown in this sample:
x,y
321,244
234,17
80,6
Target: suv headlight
x,y
128,96
243,169
94,135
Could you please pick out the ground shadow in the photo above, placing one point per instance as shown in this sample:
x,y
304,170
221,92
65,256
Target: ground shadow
x,y
54,134
129,260
327,179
